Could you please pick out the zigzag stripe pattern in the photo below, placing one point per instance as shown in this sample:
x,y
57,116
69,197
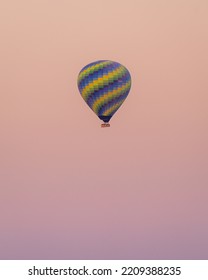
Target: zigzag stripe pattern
x,y
104,85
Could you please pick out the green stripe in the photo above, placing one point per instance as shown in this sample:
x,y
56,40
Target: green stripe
x,y
102,103
86,72
110,81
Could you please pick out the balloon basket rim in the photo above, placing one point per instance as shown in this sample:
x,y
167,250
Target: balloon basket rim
x,y
103,125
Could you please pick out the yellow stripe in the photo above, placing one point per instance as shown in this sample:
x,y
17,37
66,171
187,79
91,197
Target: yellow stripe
x,y
112,109
111,94
93,68
100,82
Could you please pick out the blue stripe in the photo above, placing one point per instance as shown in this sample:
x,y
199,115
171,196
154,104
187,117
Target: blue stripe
x,y
97,74
108,88
113,102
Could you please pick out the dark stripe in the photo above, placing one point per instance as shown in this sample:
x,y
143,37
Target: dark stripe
x,y
113,102
106,89
97,74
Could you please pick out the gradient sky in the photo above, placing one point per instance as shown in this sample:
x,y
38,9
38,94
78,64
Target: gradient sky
x,y
71,190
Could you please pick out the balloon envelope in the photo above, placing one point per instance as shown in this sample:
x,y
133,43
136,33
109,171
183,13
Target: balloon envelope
x,y
104,85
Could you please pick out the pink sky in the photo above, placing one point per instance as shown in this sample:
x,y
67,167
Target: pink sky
x,y
71,190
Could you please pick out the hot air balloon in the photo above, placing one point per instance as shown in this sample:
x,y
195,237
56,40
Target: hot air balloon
x,y
104,85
